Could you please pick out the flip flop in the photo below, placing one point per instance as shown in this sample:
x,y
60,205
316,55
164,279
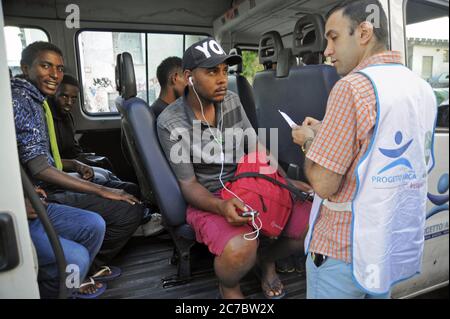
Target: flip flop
x,y
98,292
273,285
114,273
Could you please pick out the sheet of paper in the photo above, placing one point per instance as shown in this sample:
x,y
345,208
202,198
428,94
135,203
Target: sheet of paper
x,y
290,122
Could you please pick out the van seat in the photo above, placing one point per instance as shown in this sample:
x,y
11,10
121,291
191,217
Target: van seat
x,y
300,92
240,85
152,169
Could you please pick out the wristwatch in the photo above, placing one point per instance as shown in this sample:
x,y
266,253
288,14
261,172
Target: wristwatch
x,y
304,144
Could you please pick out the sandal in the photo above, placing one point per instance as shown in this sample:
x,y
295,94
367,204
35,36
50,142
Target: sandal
x,y
98,290
107,273
267,287
274,285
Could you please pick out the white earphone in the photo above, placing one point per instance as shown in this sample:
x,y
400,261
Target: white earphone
x,y
191,82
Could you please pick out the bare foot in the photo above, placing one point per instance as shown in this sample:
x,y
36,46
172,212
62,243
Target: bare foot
x,y
87,288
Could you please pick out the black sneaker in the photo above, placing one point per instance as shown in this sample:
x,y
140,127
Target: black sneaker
x,y
285,265
300,263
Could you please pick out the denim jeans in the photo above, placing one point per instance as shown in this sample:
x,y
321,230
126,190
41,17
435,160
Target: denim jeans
x,y
81,235
333,280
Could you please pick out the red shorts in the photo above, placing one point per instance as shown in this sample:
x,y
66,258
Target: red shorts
x,y
214,231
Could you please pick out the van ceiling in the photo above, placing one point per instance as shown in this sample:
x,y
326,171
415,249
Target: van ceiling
x,y
166,12
268,15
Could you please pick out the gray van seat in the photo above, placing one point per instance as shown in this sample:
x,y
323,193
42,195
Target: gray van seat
x,y
302,92
239,85
152,169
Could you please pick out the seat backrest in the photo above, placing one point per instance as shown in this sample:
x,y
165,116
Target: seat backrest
x,y
139,125
240,85
302,92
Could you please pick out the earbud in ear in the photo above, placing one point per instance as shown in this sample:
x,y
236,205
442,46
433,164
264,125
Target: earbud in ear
x,y
191,82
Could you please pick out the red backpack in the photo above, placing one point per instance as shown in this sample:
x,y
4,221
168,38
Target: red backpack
x,y
269,194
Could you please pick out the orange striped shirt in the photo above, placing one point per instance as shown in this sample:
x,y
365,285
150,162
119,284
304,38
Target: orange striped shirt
x,y
339,145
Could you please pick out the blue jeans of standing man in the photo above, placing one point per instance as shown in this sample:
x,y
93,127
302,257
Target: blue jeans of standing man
x,y
81,234
333,280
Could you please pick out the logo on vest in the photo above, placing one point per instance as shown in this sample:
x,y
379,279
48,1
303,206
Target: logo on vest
x,y
384,177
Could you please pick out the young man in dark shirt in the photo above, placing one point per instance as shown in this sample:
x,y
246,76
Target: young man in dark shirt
x,y
172,82
61,106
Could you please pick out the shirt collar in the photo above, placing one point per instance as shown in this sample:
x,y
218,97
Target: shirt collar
x,y
190,113
386,57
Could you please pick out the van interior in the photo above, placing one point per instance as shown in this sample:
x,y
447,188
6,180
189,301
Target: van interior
x,y
113,48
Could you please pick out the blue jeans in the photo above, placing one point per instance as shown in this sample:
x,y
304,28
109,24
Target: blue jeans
x,y
333,280
81,235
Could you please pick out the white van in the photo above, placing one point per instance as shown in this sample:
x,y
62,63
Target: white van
x,y
92,33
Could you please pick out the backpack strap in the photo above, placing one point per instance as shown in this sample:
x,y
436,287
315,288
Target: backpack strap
x,y
298,194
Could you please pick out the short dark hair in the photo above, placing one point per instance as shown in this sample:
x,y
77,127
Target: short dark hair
x,y
30,53
165,69
355,10
71,80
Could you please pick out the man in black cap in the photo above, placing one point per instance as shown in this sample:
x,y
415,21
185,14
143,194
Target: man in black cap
x,y
194,133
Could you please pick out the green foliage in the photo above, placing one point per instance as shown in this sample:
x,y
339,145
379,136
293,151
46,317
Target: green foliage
x,y
250,64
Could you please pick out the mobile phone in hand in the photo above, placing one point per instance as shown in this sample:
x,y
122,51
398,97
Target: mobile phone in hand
x,y
250,213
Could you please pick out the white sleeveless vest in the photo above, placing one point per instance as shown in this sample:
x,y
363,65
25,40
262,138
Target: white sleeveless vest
x,y
389,207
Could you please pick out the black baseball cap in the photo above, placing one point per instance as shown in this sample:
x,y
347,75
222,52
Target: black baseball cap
x,y
207,53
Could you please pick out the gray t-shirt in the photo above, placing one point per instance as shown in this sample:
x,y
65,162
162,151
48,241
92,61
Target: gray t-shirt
x,y
192,150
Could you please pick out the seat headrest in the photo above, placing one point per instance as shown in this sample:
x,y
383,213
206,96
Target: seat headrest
x,y
117,73
270,46
237,68
309,35
125,78
285,61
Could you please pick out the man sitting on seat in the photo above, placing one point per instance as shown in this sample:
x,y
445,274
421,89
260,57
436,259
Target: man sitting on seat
x,y
61,105
218,224
171,79
43,69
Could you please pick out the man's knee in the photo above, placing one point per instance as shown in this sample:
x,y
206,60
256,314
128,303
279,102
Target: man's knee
x,y
240,251
126,214
95,225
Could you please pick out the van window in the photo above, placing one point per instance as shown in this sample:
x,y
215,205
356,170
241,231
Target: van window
x,y
97,51
250,64
18,38
427,52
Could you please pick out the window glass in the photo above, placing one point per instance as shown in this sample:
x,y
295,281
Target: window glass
x,y
98,51
428,57
97,55
160,47
250,64
17,39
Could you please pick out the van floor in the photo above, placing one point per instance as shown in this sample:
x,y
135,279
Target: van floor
x,y
146,261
